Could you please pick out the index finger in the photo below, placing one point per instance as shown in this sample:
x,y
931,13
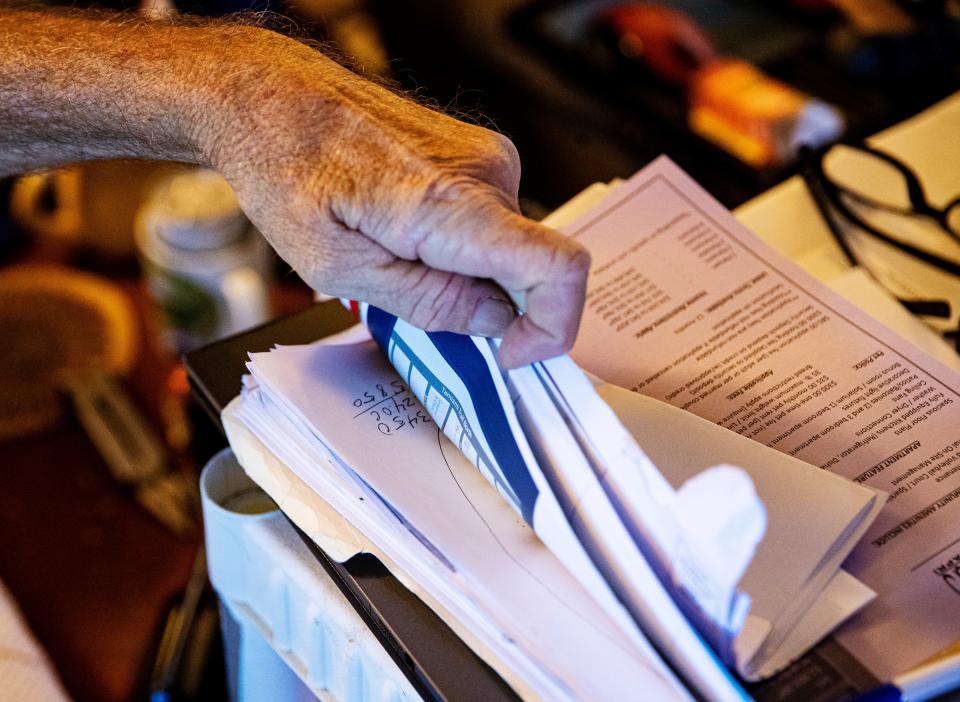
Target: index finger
x,y
490,240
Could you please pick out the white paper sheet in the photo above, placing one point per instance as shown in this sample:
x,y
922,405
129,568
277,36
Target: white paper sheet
x,y
687,306
815,517
525,593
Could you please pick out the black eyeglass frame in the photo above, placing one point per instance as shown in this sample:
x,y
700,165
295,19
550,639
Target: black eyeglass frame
x,y
919,203
823,187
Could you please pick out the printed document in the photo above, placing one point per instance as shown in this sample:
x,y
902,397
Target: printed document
x,y
798,595
687,306
557,453
343,420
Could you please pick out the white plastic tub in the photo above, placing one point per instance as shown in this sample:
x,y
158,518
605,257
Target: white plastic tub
x,y
289,633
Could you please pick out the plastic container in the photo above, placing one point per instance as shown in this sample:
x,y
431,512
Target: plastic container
x,y
289,633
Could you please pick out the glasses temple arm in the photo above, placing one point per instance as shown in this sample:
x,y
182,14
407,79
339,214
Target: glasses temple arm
x,y
822,201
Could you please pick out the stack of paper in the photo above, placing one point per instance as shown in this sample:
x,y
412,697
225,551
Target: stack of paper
x,y
633,581
687,306
441,522
557,453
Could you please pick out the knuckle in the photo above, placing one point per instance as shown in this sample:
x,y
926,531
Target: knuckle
x,y
468,195
449,186
573,258
440,197
580,260
502,149
502,159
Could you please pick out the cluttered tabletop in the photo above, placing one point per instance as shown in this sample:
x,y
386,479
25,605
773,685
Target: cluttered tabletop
x,y
103,287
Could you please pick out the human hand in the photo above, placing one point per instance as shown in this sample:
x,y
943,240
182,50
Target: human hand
x,y
366,194
371,196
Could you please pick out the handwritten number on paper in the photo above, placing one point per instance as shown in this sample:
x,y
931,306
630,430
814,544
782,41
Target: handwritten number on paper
x,y
391,408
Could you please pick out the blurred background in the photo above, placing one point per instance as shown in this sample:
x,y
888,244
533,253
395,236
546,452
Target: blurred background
x,y
109,271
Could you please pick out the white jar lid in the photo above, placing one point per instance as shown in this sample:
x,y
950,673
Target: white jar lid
x,y
196,210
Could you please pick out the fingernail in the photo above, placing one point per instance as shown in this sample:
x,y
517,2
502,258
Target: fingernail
x,y
491,318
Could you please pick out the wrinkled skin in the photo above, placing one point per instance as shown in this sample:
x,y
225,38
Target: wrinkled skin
x,y
366,194
398,205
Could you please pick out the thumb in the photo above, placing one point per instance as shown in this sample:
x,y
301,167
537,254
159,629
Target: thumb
x,y
479,236
436,300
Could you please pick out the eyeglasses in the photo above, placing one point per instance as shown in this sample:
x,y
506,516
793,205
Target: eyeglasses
x,y
878,180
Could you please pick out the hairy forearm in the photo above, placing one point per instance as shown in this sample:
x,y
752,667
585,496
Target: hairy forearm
x,y
81,86
365,193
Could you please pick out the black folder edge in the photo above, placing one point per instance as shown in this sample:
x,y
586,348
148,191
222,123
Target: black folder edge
x,y
438,664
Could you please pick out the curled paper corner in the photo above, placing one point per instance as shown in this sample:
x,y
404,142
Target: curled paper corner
x,y
723,520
